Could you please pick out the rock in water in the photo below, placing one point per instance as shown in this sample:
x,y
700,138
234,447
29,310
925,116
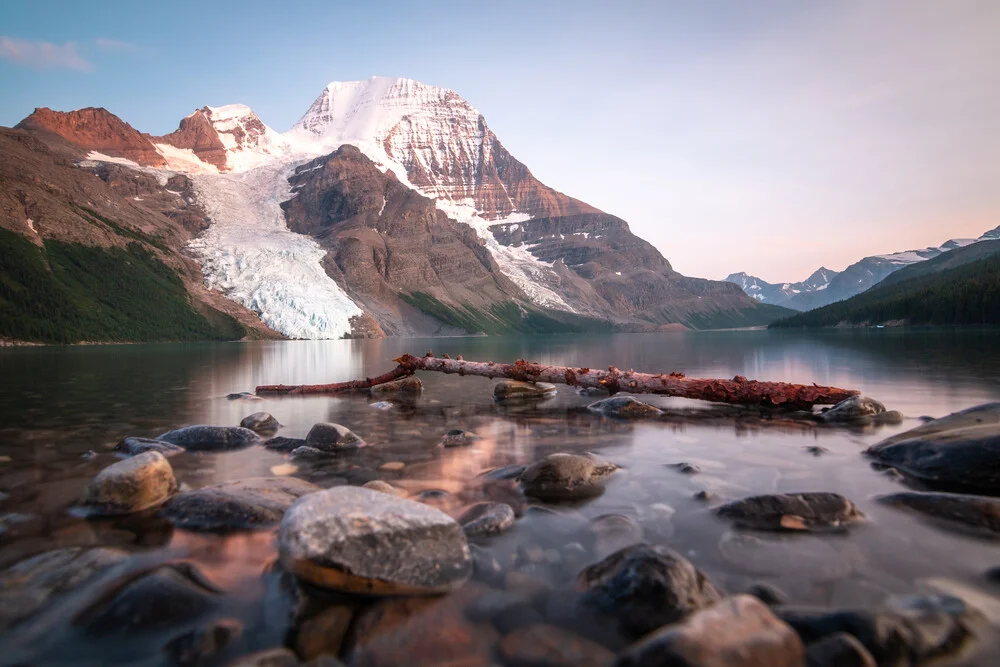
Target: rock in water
x,y
854,409
566,477
626,407
328,437
612,532
739,631
644,587
211,438
962,458
248,503
513,390
243,396
29,585
409,385
839,650
132,485
260,421
980,415
358,540
199,645
133,446
272,657
978,513
160,598
552,647
458,438
384,487
791,511
487,519
282,444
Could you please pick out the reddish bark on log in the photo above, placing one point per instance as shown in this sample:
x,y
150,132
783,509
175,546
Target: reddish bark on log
x,y
739,390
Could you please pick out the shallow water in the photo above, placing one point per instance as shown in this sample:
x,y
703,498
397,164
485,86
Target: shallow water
x,y
56,404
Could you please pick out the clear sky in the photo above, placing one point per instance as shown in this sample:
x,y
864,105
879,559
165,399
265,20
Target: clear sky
x,y
771,136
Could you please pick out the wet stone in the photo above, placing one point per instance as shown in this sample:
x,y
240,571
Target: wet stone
x,y
512,471
273,657
323,633
358,540
854,409
283,444
409,385
739,631
486,519
134,446
977,514
384,487
28,586
458,438
705,496
211,438
686,468
329,437
625,407
306,453
513,390
839,650
243,396
132,485
538,644
201,644
161,598
431,495
566,477
792,511
260,422
644,587
241,504
817,450
964,458
392,466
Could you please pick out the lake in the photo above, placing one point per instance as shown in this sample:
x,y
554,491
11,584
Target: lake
x,y
63,409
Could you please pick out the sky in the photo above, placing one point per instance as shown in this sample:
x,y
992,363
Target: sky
x,y
771,137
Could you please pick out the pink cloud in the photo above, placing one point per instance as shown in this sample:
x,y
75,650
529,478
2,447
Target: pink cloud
x,y
43,55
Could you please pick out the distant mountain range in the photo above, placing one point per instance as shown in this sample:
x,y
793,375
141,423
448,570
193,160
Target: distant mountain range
x,y
389,208
959,287
824,286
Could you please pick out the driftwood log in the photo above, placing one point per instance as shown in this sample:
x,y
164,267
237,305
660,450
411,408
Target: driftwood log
x,y
739,390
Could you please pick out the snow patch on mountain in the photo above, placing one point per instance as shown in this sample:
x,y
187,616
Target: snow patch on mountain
x,y
248,141
251,256
184,160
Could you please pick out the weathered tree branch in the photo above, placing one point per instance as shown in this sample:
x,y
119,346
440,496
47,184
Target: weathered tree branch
x,y
739,390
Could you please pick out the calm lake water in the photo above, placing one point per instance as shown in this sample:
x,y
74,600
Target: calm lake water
x,y
58,403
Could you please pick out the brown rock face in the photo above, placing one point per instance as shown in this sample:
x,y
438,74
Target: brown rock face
x,y
95,129
197,134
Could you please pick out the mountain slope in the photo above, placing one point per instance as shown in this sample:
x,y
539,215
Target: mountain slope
x,y
781,294
427,225
960,287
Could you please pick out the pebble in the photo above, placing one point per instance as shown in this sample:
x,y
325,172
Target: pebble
x,y
131,485
358,540
738,631
625,407
566,477
384,487
328,437
486,519
211,438
459,438
261,422
392,466
513,390
792,511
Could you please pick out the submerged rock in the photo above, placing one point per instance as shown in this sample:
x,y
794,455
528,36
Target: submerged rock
x,y
803,556
358,540
408,385
260,421
792,511
308,454
958,451
29,585
282,444
854,409
272,657
566,477
739,631
135,484
644,587
486,519
839,650
458,438
513,390
978,513
160,598
553,647
626,407
243,396
133,446
328,437
211,438
384,487
200,644
612,532
241,504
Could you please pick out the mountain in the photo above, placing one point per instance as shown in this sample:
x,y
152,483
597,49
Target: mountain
x,y
958,287
391,208
780,294
834,286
